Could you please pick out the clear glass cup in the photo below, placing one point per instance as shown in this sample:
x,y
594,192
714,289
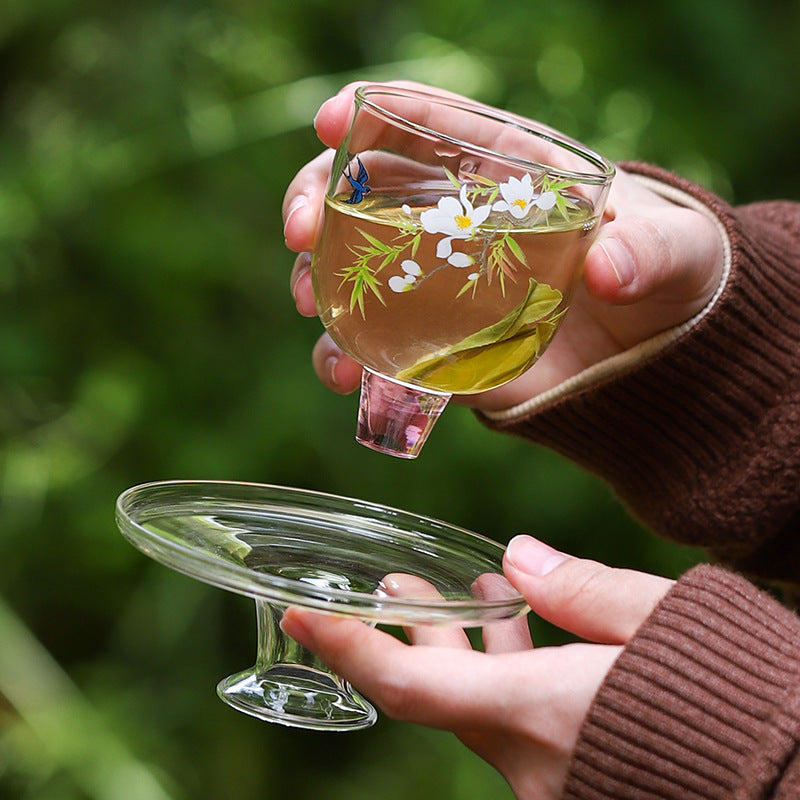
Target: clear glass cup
x,y
454,236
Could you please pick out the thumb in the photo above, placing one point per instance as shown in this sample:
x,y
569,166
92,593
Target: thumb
x,y
596,602
676,254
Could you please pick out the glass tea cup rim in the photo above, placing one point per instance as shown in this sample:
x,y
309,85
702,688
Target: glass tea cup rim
x,y
606,169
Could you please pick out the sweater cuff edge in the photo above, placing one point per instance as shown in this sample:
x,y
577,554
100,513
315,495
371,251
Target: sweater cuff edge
x,y
627,360
688,708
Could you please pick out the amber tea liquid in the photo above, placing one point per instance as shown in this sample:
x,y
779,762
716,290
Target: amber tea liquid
x,y
392,296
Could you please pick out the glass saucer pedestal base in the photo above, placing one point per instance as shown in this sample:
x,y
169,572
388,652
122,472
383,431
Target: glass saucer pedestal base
x,y
291,686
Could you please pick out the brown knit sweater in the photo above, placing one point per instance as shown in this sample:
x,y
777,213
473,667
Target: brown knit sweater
x,y
700,437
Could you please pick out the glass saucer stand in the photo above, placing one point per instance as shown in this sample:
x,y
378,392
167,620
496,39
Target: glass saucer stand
x,y
291,547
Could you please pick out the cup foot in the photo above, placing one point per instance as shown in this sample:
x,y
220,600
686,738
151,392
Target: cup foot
x,y
395,417
297,696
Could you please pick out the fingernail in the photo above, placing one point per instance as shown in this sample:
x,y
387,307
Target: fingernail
x,y
301,267
532,556
330,368
298,202
621,260
293,627
327,102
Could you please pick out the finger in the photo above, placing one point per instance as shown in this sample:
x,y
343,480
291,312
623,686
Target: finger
x,y
412,587
508,636
638,254
407,682
335,369
596,602
502,636
653,247
303,201
332,123
301,287
335,115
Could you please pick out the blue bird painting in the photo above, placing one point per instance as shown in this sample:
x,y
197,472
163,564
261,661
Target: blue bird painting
x,y
358,184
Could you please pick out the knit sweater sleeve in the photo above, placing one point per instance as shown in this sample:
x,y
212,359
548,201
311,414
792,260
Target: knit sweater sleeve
x,y
703,703
698,431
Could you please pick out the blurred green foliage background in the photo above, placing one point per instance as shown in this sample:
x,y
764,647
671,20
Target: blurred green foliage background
x,y
147,332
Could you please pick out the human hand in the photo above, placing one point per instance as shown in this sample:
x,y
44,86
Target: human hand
x,y
518,707
653,266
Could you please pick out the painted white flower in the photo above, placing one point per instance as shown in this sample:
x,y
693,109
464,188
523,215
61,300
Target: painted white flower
x,y
456,219
519,197
405,282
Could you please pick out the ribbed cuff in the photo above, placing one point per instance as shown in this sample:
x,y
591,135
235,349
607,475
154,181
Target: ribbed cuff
x,y
702,704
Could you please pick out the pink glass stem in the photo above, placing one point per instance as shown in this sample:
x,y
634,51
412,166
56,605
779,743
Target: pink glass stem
x,y
394,417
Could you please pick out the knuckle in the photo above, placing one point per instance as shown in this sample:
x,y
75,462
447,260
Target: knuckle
x,y
649,237
582,586
395,697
